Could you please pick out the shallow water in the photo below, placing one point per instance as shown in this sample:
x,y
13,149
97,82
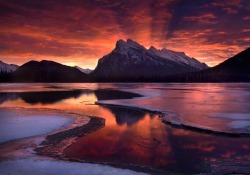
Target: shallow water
x,y
134,136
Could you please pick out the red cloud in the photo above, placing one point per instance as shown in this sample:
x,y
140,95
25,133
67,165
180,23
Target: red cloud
x,y
81,32
205,18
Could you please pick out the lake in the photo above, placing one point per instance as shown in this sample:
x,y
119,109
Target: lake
x,y
205,125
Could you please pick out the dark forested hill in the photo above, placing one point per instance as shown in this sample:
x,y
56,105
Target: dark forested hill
x,y
47,71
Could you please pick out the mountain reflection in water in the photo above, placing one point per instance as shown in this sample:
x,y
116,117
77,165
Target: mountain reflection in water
x,y
51,97
140,138
126,116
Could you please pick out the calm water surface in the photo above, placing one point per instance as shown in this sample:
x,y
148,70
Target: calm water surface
x,y
134,136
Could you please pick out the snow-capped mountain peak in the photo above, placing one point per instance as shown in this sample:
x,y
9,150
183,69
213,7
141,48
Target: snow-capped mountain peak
x,y
132,60
7,68
86,71
122,47
130,47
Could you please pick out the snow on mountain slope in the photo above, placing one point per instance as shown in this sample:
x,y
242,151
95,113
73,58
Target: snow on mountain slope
x,y
124,48
178,57
86,71
130,60
7,68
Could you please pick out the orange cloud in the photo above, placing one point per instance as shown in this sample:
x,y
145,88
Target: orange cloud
x,y
81,32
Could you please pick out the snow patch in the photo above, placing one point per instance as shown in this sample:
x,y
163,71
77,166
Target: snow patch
x,y
239,124
178,57
53,167
238,120
234,116
86,71
7,68
14,126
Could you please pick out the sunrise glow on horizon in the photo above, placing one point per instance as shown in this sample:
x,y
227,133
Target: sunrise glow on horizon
x,y
81,32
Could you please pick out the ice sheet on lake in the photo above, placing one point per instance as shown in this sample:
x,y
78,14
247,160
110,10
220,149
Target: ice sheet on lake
x,y
16,127
186,110
54,167
237,120
239,124
233,116
146,94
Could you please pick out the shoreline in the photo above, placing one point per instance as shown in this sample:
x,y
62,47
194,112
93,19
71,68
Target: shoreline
x,y
55,144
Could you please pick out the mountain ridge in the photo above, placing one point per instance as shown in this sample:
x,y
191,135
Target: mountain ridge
x,y
47,71
86,71
179,57
7,68
130,60
234,69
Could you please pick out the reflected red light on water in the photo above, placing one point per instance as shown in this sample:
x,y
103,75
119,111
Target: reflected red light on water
x,y
133,136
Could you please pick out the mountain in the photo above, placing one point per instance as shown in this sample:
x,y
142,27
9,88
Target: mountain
x,y
238,64
178,57
7,68
130,61
86,71
234,69
47,71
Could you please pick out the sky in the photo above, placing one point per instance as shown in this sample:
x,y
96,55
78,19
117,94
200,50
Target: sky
x,y
79,32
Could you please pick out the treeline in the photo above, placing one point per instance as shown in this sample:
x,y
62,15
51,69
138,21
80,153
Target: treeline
x,y
209,77
187,77
5,77
45,77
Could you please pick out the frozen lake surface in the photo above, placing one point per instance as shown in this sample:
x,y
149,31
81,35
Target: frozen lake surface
x,y
52,167
133,136
23,124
